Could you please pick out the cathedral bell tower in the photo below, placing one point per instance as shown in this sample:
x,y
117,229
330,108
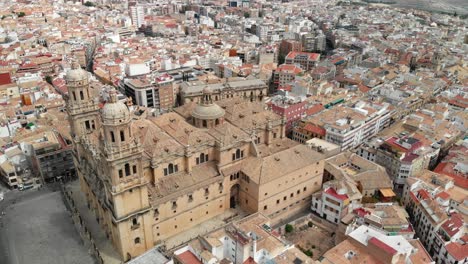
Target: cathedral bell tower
x,y
82,108
125,181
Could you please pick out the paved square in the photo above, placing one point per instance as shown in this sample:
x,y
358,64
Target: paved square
x,y
38,229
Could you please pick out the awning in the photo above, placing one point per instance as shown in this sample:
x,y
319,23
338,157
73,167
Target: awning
x,y
387,192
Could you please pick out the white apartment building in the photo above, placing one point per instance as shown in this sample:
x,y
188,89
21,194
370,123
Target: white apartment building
x,y
351,130
434,203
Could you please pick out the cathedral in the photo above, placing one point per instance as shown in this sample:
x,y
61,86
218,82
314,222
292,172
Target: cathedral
x,y
150,178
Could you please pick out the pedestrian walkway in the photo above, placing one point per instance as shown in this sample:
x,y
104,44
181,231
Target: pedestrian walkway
x,y
108,254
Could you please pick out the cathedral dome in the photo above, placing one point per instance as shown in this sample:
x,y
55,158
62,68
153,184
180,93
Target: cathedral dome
x,y
115,111
212,111
206,109
76,73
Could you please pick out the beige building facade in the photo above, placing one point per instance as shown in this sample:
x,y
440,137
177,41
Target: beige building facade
x,y
150,178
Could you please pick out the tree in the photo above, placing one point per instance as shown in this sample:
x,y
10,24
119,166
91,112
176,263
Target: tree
x,y
21,14
88,3
308,253
246,14
289,228
310,224
48,79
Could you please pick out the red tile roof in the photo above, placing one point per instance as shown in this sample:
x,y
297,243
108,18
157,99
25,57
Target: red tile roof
x,y
250,260
312,56
453,225
361,212
457,251
380,244
443,195
188,258
447,168
333,193
315,109
424,194
5,78
315,129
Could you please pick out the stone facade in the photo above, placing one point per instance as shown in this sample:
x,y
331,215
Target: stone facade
x,y
150,178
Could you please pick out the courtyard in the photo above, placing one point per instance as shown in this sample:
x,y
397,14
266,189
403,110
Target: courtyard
x,y
312,238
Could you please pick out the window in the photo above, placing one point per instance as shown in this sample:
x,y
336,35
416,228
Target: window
x,y
265,207
137,240
284,198
204,123
127,169
134,169
120,173
190,197
81,95
171,168
87,125
134,221
112,136
277,201
74,95
238,154
122,135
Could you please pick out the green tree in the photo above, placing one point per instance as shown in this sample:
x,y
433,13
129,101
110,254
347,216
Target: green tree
x,y
246,14
289,228
88,3
48,79
308,253
21,14
310,224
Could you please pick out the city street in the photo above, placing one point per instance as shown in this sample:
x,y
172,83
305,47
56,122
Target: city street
x,y
36,228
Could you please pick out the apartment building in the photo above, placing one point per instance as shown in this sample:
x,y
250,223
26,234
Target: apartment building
x,y
306,60
437,209
158,93
345,126
284,75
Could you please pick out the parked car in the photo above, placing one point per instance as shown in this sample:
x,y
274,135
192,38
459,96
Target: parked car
x,y
26,186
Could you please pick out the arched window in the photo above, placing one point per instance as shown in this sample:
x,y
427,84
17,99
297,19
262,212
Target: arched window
x,y
134,221
202,158
217,122
122,135
204,123
170,168
127,169
112,136
137,240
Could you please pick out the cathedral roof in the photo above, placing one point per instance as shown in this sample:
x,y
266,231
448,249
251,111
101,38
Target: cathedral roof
x,y
76,73
115,111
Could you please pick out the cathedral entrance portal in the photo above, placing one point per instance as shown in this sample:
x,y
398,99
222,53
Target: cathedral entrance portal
x,y
234,196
